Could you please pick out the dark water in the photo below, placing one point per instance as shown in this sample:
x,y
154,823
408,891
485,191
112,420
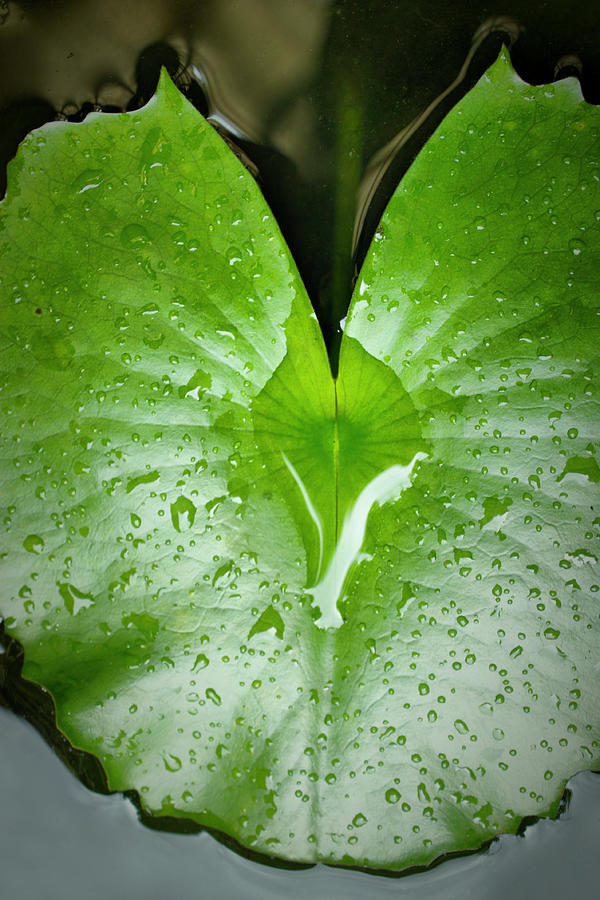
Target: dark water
x,y
310,90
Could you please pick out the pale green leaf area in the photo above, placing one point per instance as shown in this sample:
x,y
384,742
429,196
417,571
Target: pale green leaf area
x,y
351,621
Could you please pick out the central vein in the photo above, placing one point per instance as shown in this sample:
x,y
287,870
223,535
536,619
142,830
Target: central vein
x,y
347,444
336,461
386,486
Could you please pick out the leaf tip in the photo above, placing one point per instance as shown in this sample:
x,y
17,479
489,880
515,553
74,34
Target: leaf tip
x,y
166,86
504,56
502,65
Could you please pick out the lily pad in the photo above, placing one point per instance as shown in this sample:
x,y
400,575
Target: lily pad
x,y
350,620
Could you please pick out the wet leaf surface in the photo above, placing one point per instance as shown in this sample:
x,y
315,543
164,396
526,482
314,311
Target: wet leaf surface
x,y
352,620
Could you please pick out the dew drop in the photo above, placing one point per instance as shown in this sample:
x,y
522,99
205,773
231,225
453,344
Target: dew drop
x,y
576,246
33,543
171,762
134,235
551,634
212,695
87,180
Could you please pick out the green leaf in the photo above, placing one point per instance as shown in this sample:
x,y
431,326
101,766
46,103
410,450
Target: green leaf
x,y
351,621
